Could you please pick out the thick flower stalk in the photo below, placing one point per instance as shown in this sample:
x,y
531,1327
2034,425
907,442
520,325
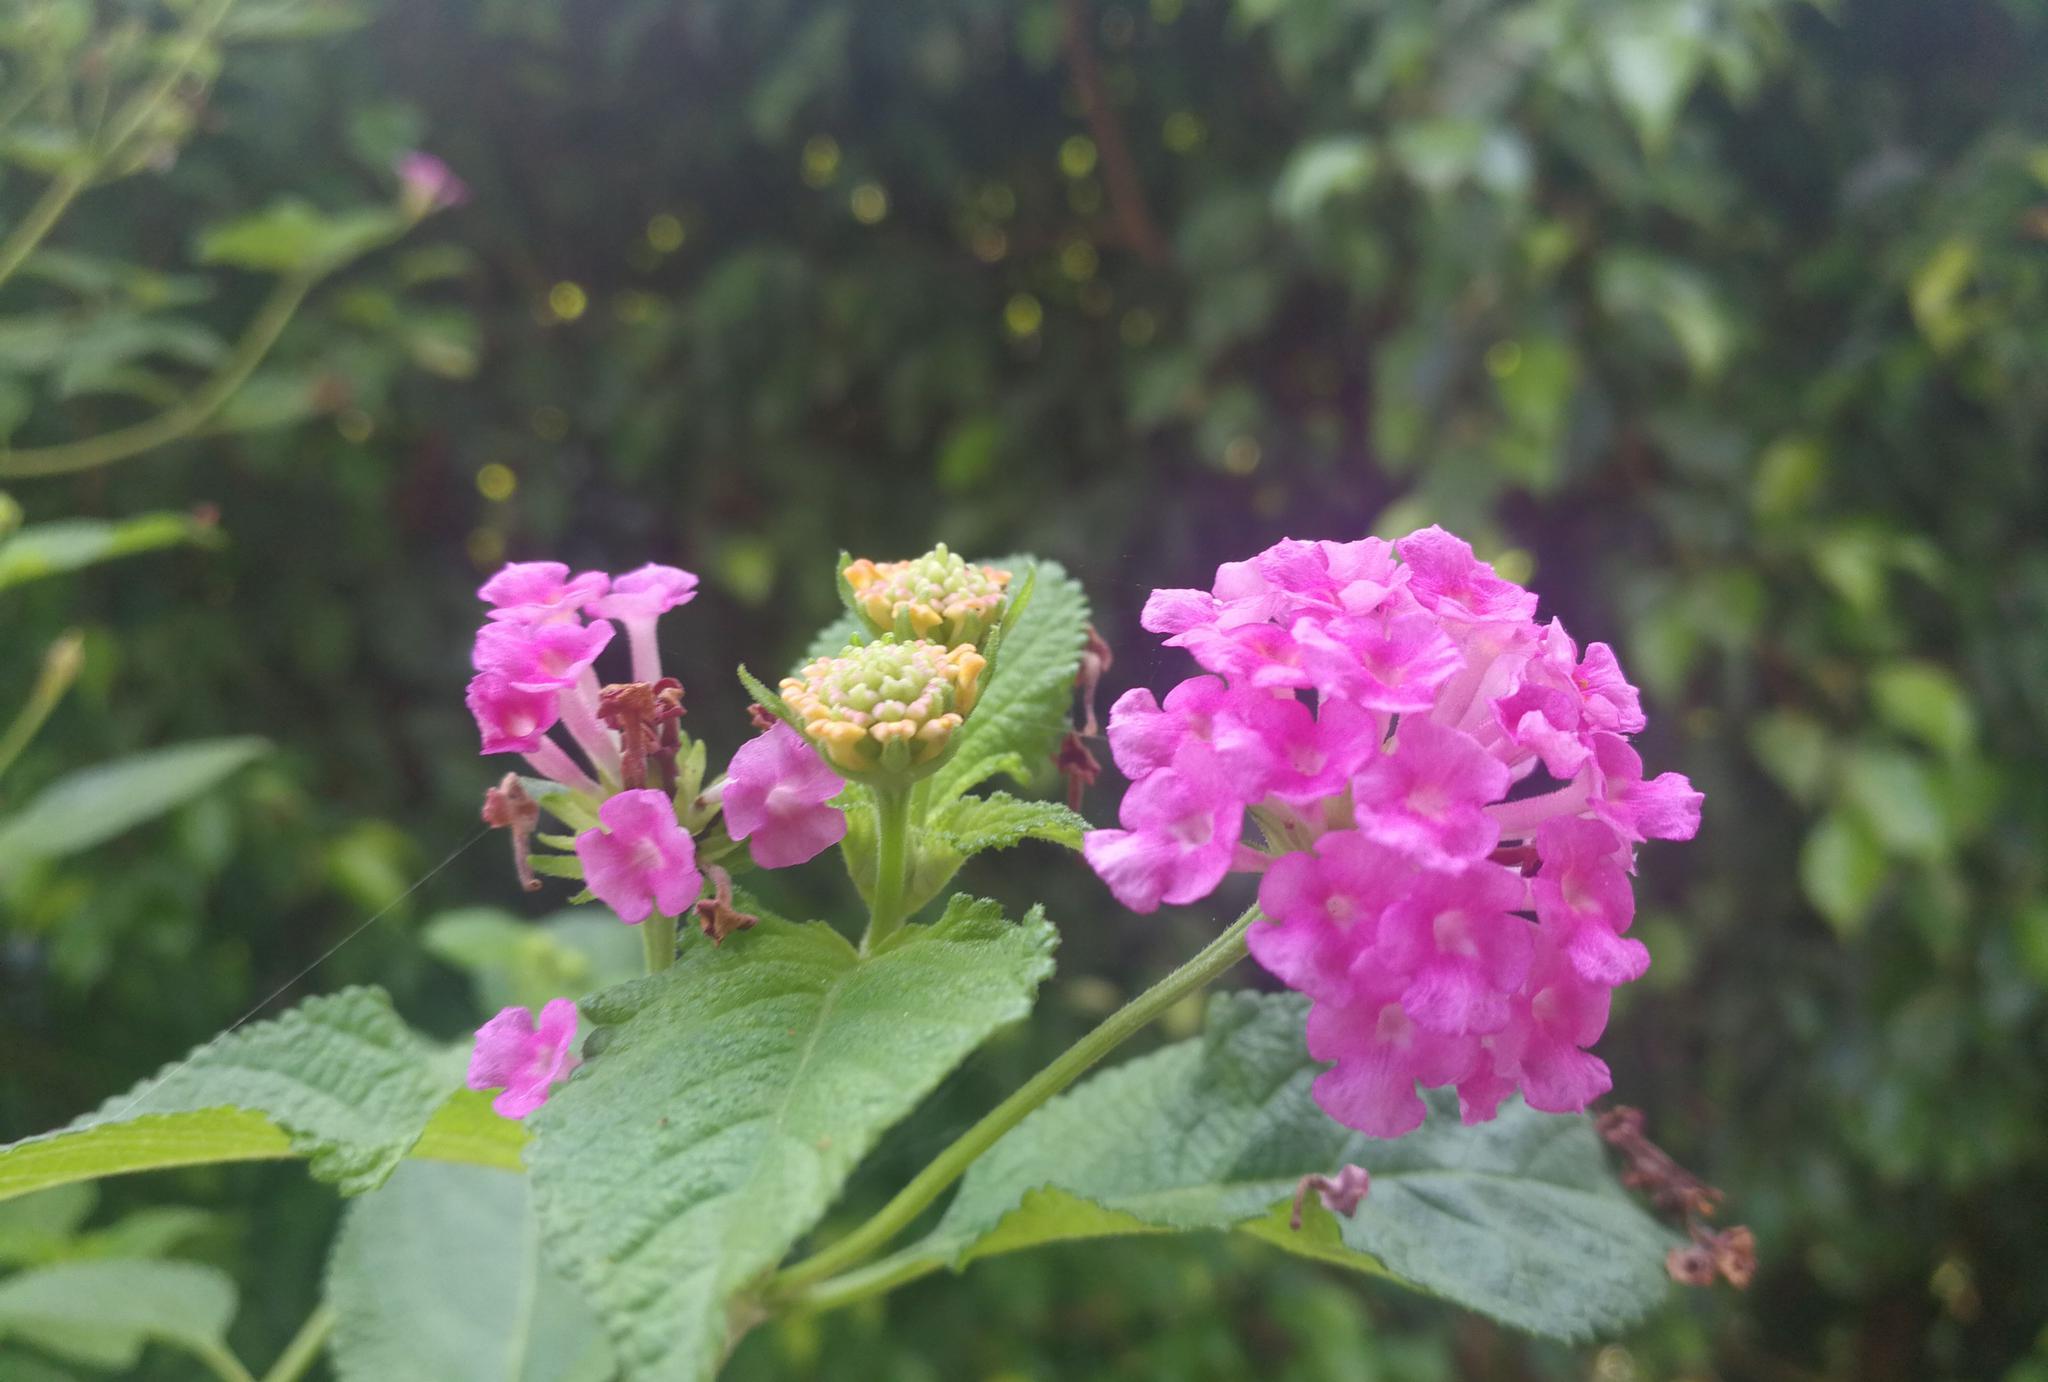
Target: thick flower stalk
x,y
936,596
886,710
1448,809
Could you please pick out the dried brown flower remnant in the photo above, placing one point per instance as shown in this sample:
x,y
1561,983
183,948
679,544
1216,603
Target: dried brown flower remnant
x,y
1078,766
717,917
508,807
642,712
1729,1253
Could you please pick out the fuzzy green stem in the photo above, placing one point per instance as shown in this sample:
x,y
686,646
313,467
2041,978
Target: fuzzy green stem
x,y
304,1349
912,1200
892,865
658,934
183,417
864,1283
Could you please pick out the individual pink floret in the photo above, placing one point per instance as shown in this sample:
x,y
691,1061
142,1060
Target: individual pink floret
x,y
639,859
777,796
1180,834
539,657
637,600
1323,910
1445,577
1584,901
524,1059
1455,939
509,718
1665,807
1380,1055
531,592
1428,796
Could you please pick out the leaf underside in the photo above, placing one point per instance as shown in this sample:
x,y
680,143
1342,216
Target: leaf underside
x,y
1519,1219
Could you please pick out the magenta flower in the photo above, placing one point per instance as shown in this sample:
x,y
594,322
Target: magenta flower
x,y
533,592
637,600
1447,809
1426,798
522,1058
539,657
426,184
777,796
1183,824
510,719
639,859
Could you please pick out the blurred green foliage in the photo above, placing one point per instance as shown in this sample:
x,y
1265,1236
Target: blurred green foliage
x,y
1725,321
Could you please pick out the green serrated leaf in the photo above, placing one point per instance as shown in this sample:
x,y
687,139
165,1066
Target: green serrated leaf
x,y
958,831
1023,709
293,236
1519,1219
340,1080
101,1314
437,1277
99,803
666,1185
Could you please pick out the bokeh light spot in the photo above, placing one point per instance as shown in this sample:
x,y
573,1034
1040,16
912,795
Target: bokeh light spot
x,y
496,482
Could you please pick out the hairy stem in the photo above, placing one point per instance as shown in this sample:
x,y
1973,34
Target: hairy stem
x,y
182,417
658,934
892,865
304,1349
912,1200
222,1363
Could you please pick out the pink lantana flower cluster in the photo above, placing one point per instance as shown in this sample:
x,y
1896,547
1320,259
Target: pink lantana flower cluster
x,y
1449,808
536,671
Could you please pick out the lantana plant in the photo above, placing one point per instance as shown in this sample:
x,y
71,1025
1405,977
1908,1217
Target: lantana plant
x,y
1433,795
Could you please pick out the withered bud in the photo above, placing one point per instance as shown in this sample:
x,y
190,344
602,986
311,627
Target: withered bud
x,y
508,807
761,718
1096,658
717,917
1078,766
1340,1194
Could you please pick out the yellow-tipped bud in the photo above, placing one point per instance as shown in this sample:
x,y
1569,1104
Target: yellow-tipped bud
x,y
886,708
936,596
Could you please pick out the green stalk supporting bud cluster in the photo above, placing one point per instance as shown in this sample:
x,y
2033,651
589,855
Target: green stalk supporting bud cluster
x,y
886,710
936,596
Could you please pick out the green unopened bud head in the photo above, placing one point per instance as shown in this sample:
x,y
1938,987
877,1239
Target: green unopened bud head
x,y
887,708
936,596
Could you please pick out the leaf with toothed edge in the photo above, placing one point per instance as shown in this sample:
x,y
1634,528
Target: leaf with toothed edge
x,y
339,1080
1519,1219
730,1097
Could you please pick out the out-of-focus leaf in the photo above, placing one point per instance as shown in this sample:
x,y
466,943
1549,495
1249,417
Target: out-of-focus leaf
x,y
47,549
1842,870
437,1276
1322,170
524,964
292,235
99,803
1924,700
101,1314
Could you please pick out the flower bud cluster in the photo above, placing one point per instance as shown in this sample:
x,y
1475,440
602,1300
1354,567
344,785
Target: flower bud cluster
x,y
936,596
886,707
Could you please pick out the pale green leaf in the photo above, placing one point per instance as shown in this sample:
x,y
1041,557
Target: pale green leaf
x,y
516,963
340,1080
1322,170
437,1277
95,805
292,235
1519,1218
47,549
1925,700
102,1313
729,1097
1842,870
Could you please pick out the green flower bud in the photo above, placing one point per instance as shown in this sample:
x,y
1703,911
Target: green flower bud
x,y
888,707
936,596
